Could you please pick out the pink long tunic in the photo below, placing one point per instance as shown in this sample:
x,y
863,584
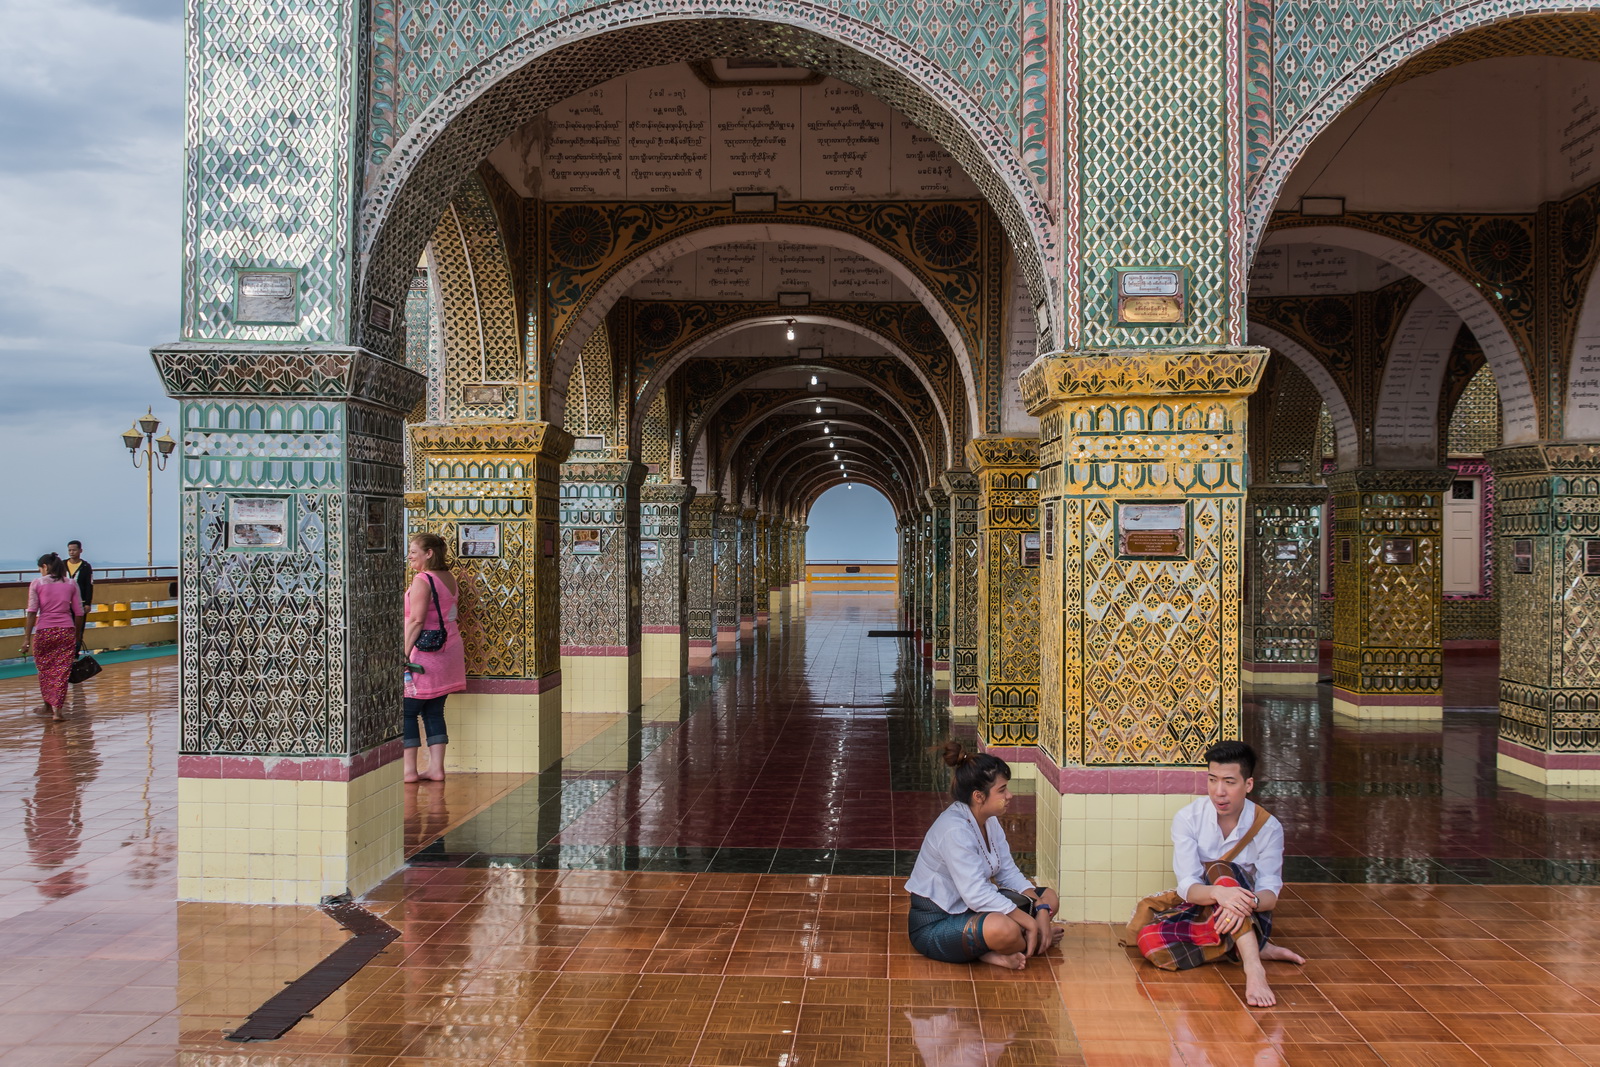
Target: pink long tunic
x,y
56,601
447,668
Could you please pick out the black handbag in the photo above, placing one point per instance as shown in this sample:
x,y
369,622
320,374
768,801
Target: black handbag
x,y
83,668
433,640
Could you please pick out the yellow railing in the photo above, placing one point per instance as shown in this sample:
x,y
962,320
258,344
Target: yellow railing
x,y
844,576
127,612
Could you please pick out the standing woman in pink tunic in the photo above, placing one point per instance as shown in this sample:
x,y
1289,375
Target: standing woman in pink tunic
x,y
431,605
52,630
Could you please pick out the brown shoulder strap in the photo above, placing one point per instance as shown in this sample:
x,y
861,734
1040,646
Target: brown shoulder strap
x,y
1262,815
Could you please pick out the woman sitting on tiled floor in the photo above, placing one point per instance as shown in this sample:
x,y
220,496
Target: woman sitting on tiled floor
x,y
958,912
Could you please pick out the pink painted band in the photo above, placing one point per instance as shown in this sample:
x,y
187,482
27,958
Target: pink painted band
x,y
290,768
599,650
701,642
1390,700
964,700
941,664
1308,667
515,685
660,629
1551,761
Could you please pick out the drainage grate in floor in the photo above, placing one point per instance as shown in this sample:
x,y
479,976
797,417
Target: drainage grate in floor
x,y
280,1014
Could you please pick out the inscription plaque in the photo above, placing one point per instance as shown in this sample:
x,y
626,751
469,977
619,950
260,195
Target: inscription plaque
x,y
1399,551
1150,297
478,540
267,298
1159,531
585,542
477,395
1522,556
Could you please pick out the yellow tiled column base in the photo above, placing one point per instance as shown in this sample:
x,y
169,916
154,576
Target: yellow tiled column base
x,y
1278,678
255,841
505,733
941,677
1547,775
1105,850
663,655
600,683
964,711
1365,706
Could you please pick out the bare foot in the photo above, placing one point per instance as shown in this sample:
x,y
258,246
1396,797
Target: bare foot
x,y
432,777
1014,961
42,709
412,779
1283,955
1257,993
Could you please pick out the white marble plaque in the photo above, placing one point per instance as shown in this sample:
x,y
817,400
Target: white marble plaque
x,y
1407,427
755,139
791,268
845,150
921,168
852,276
674,281
669,135
1321,269
730,272
1022,349
1266,273
585,154
1583,390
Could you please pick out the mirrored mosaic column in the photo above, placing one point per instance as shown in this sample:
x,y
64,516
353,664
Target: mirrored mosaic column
x,y
291,587
663,574
1283,550
1547,568
961,489
600,595
797,566
907,533
1007,470
700,562
939,585
1142,460
760,591
727,583
746,519
773,585
491,490
1388,592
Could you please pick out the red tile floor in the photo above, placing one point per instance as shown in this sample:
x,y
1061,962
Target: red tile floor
x,y
713,881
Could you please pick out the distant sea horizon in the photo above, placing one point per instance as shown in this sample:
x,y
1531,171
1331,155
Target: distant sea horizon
x,y
99,564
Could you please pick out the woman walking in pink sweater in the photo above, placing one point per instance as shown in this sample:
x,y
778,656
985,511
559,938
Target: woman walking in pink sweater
x,y
52,630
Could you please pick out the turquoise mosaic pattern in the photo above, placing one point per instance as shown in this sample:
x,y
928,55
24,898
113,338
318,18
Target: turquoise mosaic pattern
x,y
269,132
1034,120
1170,196
422,47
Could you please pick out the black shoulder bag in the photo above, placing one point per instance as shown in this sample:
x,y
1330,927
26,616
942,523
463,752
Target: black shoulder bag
x,y
433,640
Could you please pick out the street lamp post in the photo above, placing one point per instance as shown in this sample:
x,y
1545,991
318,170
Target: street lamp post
x,y
152,456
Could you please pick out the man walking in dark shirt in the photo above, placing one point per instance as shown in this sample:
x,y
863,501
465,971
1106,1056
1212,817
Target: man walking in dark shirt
x,y
80,571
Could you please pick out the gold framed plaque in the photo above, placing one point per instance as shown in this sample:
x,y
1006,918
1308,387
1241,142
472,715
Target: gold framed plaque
x,y
1152,296
1152,531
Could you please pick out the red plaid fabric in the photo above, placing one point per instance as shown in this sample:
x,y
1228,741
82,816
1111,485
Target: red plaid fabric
x,y
1186,937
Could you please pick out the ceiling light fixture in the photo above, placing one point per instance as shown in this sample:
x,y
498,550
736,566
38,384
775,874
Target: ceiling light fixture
x,y
790,332
813,379
819,409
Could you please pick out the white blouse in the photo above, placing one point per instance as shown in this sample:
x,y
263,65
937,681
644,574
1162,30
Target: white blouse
x,y
957,870
1197,840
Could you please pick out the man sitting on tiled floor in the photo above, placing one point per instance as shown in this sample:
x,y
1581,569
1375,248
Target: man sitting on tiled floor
x,y
1228,856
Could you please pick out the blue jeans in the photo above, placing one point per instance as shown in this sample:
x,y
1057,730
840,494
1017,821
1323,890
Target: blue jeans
x,y
432,712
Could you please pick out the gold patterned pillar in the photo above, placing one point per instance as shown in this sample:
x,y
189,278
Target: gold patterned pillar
x,y
939,585
491,490
761,589
774,582
727,572
700,561
1142,459
961,490
1388,592
1283,554
600,590
1007,469
1547,572
663,621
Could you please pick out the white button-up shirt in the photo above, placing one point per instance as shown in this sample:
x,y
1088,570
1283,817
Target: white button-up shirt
x,y
957,870
1197,840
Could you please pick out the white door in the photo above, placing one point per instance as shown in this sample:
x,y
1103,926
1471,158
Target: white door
x,y
1463,537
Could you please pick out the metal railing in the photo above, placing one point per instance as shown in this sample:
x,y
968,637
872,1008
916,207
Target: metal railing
x,y
133,606
852,576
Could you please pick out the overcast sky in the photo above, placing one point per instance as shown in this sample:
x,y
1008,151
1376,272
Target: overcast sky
x,y
91,143
91,150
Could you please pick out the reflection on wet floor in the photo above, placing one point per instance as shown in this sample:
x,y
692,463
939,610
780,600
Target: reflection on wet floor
x,y
715,880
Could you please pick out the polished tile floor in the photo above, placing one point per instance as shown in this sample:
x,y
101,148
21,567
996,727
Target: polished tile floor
x,y
713,880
